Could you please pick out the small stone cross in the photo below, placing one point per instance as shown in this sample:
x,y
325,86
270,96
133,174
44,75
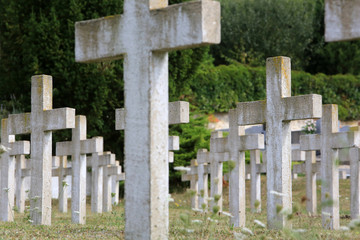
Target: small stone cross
x,y
7,182
40,123
78,147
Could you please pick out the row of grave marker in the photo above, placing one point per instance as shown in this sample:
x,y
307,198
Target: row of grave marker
x,y
335,146
39,124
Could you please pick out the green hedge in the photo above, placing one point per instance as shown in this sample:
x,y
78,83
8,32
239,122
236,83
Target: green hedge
x,y
217,89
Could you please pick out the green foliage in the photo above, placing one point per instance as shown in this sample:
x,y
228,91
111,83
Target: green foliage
x,y
253,30
194,136
219,88
37,37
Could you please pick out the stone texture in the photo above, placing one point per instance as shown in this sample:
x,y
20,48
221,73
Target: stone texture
x,y
278,111
40,123
342,20
20,194
62,171
109,172
193,177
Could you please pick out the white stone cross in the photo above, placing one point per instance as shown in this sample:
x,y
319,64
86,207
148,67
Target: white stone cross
x,y
20,193
277,112
40,123
178,114
7,182
62,170
109,172
144,34
342,20
97,162
193,177
203,159
115,187
329,142
78,147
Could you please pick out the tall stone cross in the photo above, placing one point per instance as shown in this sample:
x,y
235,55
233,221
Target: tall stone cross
x,y
277,112
7,182
77,148
144,34
342,20
40,123
329,142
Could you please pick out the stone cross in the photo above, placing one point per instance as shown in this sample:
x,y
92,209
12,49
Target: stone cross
x,y
78,147
178,114
192,176
40,123
7,182
278,111
355,182
97,162
342,20
203,159
62,170
255,181
115,187
21,164
143,35
218,155
109,172
329,142
237,144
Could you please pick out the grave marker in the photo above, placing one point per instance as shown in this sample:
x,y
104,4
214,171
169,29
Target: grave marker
x,y
7,187
144,34
40,123
62,170
78,147
20,194
277,112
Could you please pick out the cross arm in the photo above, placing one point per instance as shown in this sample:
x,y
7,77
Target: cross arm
x,y
19,148
178,113
57,119
345,139
120,177
219,145
174,143
104,160
186,25
63,148
19,123
113,170
251,112
93,145
310,142
99,39
303,107
202,156
251,142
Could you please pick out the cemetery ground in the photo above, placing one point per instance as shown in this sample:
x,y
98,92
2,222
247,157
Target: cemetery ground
x,y
188,224
185,224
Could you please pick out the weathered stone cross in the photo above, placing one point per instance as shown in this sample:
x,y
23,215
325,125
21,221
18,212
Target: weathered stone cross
x,y
278,111
329,142
144,34
78,147
7,182
40,123
203,171
193,177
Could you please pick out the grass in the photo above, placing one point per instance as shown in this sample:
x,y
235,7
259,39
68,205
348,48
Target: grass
x,y
182,224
